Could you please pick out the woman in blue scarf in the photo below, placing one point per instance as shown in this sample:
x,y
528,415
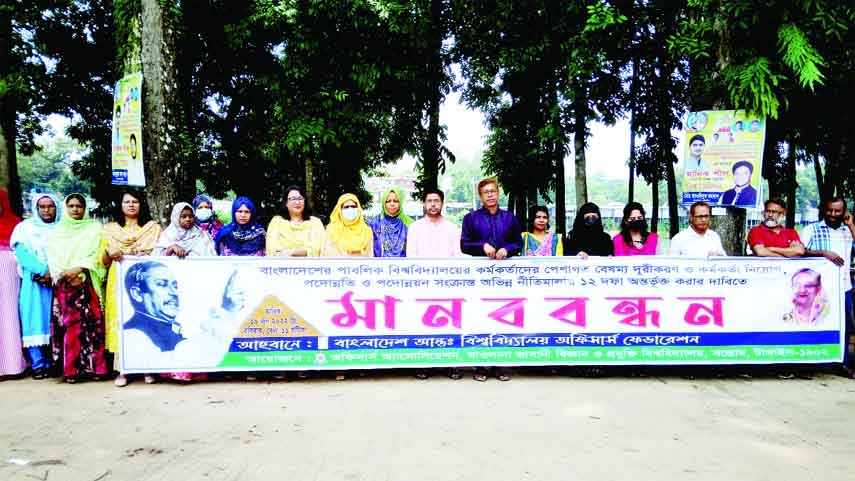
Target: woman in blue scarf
x,y
390,227
244,236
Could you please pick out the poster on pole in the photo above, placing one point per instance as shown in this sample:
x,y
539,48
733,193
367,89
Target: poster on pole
x,y
261,313
127,159
723,155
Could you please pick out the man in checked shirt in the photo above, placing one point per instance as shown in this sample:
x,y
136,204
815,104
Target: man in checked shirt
x,y
832,238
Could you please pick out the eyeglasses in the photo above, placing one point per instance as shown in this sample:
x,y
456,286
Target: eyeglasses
x,y
295,199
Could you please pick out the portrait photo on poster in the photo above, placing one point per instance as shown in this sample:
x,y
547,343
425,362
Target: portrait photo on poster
x,y
158,334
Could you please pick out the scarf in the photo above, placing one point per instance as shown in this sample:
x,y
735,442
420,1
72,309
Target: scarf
x,y
77,243
242,240
34,233
213,225
8,219
349,236
546,248
140,242
193,240
403,217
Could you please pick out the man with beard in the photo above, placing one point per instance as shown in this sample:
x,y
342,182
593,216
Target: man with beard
x,y
770,238
433,235
832,238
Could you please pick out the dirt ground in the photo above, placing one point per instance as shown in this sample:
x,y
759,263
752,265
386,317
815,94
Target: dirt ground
x,y
393,427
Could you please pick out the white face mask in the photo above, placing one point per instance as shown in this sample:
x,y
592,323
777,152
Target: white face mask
x,y
349,213
203,214
771,223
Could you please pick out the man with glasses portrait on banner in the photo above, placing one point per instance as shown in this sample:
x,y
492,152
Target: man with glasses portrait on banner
x,y
770,238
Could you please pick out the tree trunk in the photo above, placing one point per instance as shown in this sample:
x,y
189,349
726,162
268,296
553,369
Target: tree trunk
x,y
580,134
431,147
8,113
654,215
817,170
161,106
633,89
673,212
731,228
560,198
310,187
792,184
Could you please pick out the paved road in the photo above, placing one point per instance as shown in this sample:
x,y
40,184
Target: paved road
x,y
398,428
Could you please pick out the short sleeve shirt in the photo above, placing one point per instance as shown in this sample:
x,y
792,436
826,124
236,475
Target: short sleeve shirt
x,y
766,237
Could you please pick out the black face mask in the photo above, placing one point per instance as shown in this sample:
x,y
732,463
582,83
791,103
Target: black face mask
x,y
834,221
591,221
639,225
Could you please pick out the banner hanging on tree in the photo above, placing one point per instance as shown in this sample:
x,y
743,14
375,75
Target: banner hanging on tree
x,y
249,313
723,156
127,159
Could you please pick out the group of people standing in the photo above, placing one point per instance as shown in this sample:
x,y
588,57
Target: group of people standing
x,y
59,298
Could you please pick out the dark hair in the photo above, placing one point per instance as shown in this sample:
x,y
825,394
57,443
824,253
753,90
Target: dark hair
x,y
532,212
825,203
777,201
697,204
433,191
76,196
135,275
742,163
806,270
302,191
145,212
697,137
624,227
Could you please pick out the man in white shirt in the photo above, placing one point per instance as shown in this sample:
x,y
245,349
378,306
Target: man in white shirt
x,y
698,240
433,235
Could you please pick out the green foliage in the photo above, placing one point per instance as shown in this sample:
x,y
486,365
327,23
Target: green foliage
x,y
49,168
800,55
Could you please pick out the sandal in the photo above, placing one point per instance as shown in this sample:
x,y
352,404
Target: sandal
x,y
302,374
480,375
120,381
71,380
503,376
340,376
39,373
149,379
455,374
422,375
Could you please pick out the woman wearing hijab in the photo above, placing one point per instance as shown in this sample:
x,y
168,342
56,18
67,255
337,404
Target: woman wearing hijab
x,y
634,239
347,233
77,323
390,227
29,240
295,233
539,240
588,237
183,237
134,233
244,236
12,360
206,218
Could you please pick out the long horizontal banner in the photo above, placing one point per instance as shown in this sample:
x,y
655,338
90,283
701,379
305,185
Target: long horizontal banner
x,y
250,313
